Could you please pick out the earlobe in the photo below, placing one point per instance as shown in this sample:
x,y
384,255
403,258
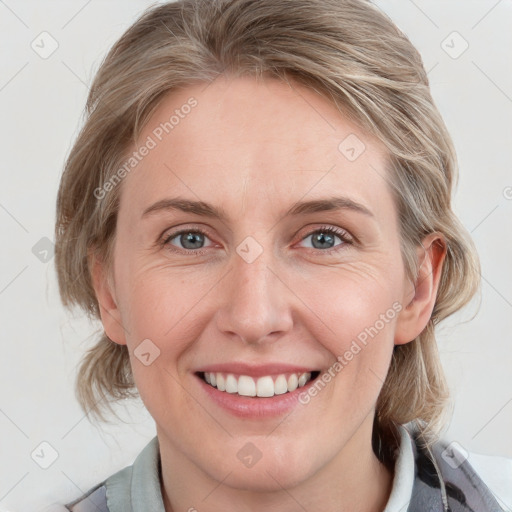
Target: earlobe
x,y
109,311
415,315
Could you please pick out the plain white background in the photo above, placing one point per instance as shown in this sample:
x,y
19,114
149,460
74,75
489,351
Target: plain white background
x,y
42,100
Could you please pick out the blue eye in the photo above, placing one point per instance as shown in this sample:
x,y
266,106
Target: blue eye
x,y
327,235
192,240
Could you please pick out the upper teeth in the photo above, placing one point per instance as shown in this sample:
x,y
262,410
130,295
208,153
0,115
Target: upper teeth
x,y
262,387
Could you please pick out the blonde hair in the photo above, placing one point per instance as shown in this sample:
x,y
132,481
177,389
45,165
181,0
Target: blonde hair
x,y
346,50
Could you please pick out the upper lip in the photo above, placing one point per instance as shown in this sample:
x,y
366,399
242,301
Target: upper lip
x,y
251,370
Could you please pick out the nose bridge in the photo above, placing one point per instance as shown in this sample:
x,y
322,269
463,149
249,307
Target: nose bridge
x,y
256,303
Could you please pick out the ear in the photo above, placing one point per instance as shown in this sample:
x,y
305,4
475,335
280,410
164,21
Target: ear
x,y
420,296
105,295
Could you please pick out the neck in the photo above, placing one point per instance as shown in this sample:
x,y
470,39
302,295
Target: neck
x,y
353,480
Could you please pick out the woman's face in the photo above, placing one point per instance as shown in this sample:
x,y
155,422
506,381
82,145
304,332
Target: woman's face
x,y
291,266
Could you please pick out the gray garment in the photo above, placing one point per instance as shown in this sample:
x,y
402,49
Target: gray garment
x,y
442,482
136,488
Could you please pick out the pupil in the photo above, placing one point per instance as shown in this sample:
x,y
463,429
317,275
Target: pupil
x,y
322,238
189,238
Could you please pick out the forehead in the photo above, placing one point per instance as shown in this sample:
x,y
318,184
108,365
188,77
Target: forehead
x,y
255,140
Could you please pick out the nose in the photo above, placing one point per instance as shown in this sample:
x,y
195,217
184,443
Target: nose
x,y
256,302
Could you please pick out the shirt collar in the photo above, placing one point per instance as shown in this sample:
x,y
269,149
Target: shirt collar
x,y
137,488
403,479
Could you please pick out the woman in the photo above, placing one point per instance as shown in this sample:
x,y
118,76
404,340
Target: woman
x,y
258,210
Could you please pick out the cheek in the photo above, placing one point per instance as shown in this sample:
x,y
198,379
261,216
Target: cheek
x,y
356,311
355,303
158,302
337,305
165,307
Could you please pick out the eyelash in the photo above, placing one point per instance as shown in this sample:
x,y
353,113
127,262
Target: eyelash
x,y
342,234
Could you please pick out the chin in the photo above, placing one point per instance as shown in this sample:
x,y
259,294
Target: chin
x,y
255,466
266,478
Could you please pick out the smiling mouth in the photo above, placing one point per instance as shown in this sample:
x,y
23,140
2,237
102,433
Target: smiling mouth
x,y
263,387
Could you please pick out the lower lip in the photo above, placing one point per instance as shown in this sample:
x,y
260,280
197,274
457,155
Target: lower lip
x,y
255,407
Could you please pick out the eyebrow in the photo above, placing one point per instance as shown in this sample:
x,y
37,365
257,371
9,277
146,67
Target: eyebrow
x,y
301,208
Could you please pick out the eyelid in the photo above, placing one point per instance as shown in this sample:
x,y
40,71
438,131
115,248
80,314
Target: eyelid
x,y
346,237
170,234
